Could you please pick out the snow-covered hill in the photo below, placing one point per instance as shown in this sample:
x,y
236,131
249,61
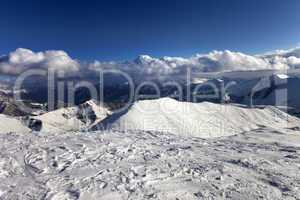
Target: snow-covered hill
x,y
73,118
167,115
195,119
10,124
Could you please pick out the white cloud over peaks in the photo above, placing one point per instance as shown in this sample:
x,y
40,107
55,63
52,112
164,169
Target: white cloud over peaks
x,y
289,59
22,59
231,61
283,53
216,61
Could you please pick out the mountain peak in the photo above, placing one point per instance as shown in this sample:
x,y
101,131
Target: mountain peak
x,y
141,59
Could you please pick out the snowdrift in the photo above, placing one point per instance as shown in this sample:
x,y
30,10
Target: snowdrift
x,y
195,119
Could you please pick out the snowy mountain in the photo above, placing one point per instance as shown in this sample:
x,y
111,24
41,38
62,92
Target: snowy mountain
x,y
159,149
152,151
203,120
8,106
9,124
75,118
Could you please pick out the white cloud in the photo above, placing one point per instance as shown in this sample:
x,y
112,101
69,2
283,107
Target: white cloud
x,y
22,59
231,61
215,61
293,61
289,59
283,53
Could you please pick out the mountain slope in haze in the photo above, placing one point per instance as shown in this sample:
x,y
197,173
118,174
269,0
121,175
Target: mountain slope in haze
x,y
276,88
281,90
195,119
8,106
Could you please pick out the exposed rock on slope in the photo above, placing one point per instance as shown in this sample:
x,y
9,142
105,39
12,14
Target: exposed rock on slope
x,y
73,118
8,106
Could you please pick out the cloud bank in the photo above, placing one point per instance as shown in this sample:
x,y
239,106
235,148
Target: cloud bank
x,y
21,60
216,61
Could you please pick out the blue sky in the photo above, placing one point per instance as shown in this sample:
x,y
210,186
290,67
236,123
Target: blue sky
x,y
123,29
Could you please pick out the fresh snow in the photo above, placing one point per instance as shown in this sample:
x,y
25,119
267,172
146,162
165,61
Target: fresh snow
x,y
73,118
260,164
203,120
156,153
9,124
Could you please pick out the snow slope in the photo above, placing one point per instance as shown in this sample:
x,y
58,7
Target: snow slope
x,y
73,118
10,124
261,164
195,119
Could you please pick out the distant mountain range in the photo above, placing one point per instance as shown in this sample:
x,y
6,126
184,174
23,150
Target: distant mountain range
x,y
167,115
259,87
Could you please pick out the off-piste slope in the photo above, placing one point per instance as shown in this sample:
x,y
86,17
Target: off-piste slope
x,y
77,118
261,164
195,119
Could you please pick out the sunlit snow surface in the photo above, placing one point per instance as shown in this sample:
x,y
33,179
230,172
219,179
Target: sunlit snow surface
x,y
205,120
260,164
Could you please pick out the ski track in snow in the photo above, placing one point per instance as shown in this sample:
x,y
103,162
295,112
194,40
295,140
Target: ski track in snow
x,y
260,164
